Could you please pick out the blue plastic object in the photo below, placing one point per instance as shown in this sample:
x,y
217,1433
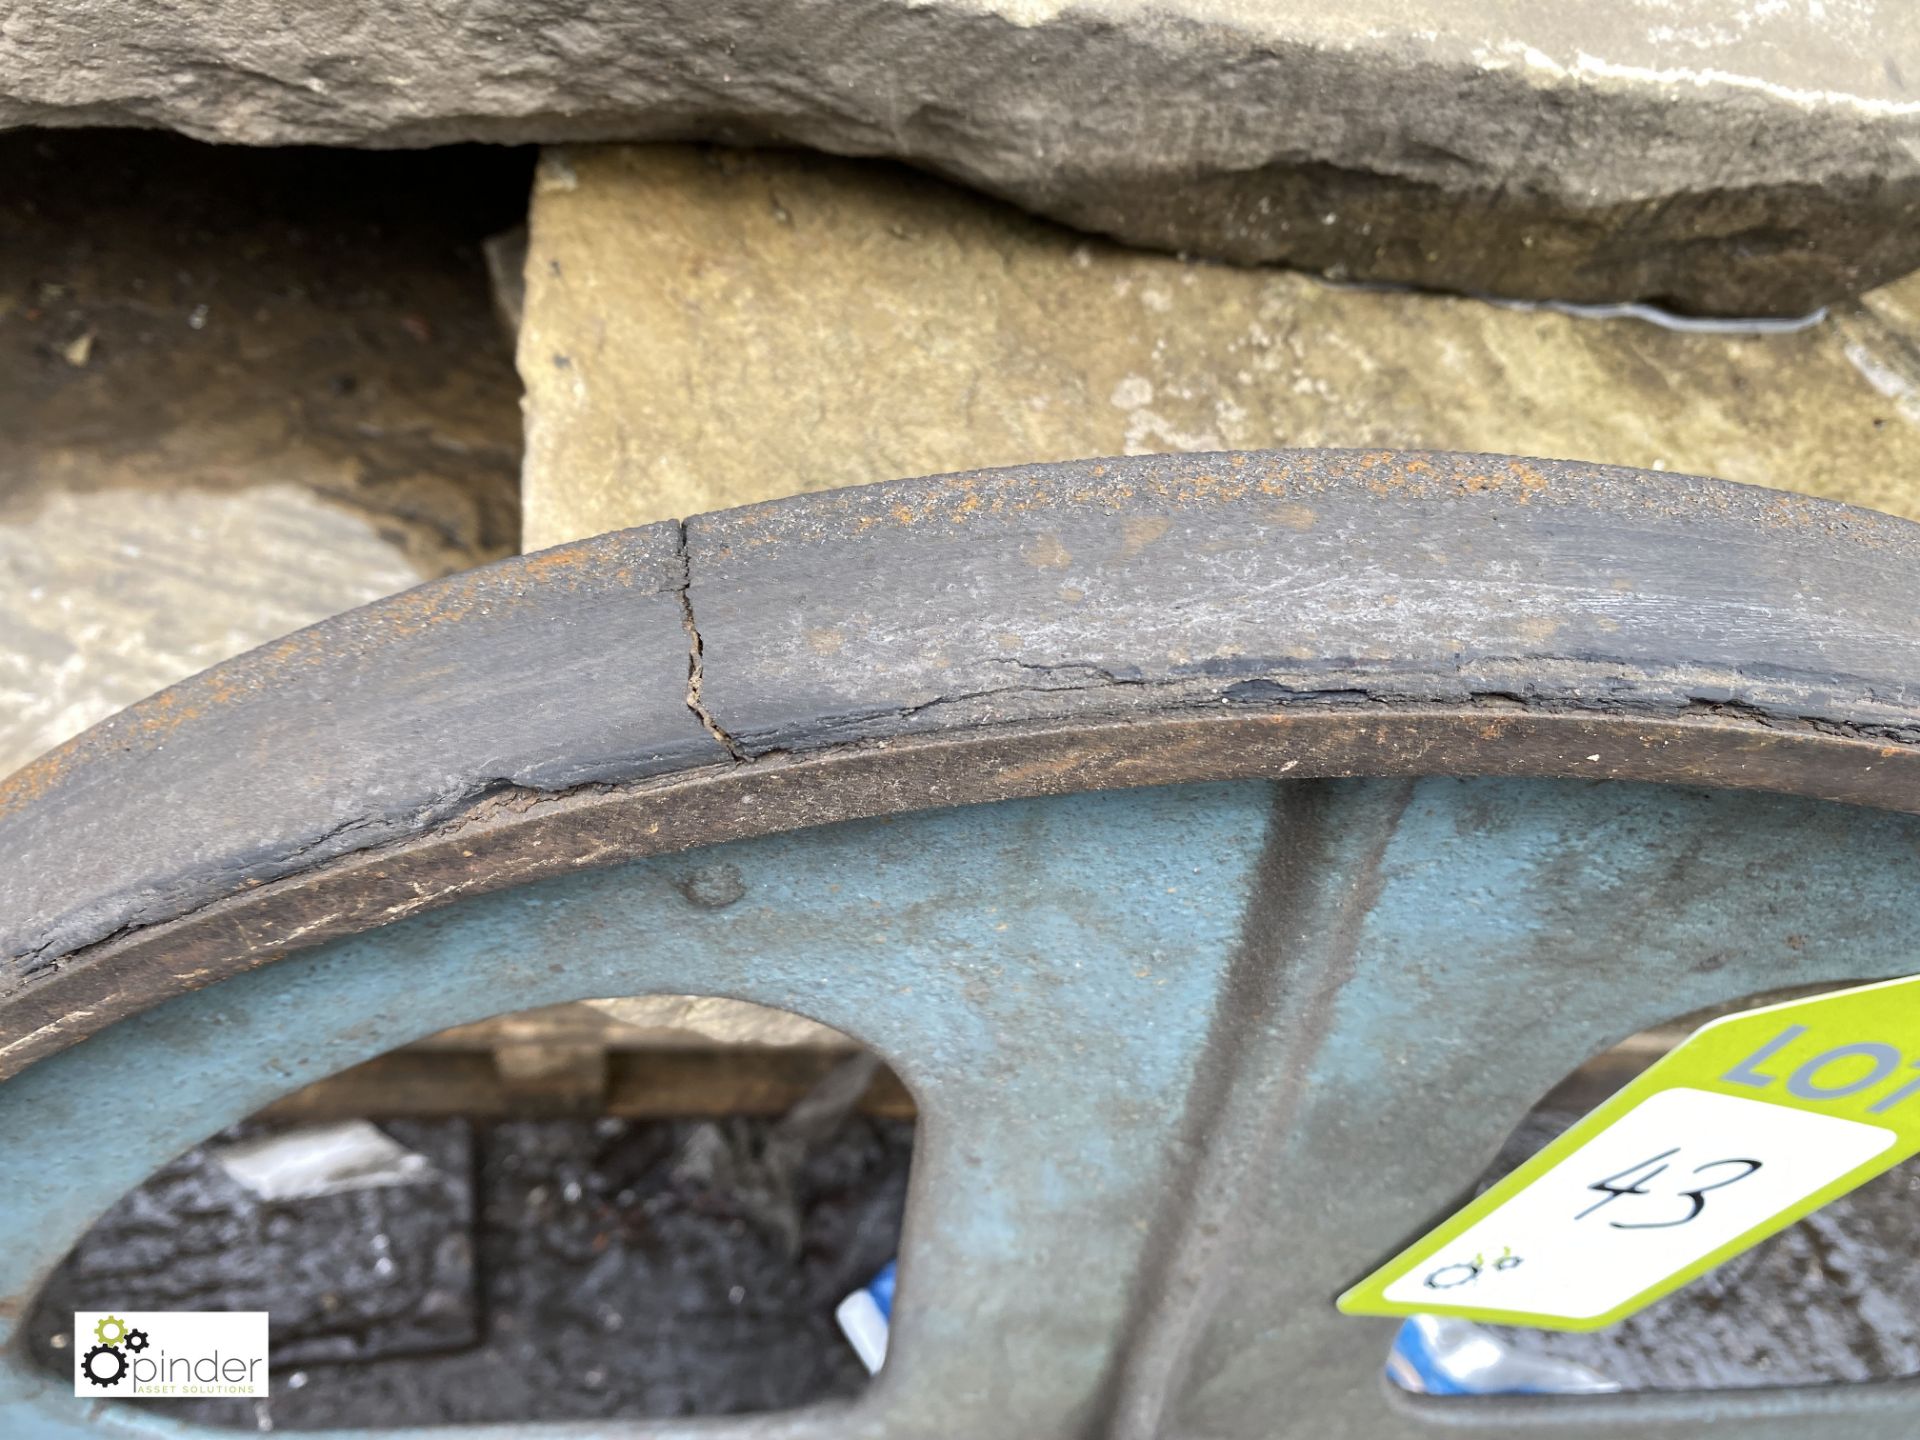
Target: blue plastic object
x,y
865,1317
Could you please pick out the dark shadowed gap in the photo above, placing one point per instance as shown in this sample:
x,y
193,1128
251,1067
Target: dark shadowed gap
x,y
177,314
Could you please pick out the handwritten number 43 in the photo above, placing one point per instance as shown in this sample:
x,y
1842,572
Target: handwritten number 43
x,y
1635,1178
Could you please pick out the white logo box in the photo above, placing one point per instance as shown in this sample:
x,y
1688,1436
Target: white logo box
x,y
169,1354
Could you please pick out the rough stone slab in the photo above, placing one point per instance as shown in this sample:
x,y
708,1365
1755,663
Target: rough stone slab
x,y
706,329
106,597
1746,159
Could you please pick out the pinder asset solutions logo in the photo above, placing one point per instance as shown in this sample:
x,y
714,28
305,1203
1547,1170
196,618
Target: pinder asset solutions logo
x,y
169,1354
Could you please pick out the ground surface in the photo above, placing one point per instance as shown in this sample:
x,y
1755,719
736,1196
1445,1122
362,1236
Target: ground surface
x,y
540,1269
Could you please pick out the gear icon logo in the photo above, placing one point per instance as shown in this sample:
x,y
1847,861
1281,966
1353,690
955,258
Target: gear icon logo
x,y
110,1360
104,1365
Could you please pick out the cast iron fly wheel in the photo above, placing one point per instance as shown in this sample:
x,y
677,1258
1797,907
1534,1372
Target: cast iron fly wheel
x,y
1226,849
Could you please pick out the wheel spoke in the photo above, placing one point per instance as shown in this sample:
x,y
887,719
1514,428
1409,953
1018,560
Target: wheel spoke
x,y
1517,930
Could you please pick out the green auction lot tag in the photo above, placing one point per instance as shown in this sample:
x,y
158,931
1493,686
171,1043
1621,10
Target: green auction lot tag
x,y
1753,1121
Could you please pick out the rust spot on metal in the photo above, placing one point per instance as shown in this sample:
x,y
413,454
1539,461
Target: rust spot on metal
x,y
1302,477
1295,517
34,780
1137,533
1047,553
1531,481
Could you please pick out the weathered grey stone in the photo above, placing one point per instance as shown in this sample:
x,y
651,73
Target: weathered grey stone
x,y
704,329
1754,158
108,596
